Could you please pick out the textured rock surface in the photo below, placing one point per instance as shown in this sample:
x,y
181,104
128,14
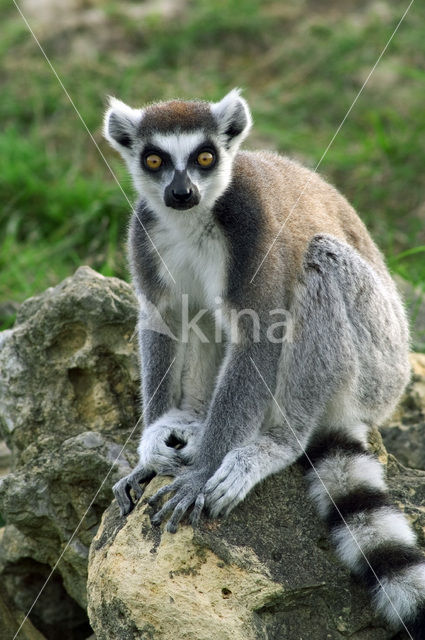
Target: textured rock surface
x,y
10,619
68,401
267,571
5,459
69,365
404,435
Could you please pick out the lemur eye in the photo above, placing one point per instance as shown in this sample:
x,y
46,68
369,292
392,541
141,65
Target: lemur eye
x,y
153,161
205,158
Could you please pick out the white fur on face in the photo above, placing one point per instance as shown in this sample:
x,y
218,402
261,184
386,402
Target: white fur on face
x,y
120,119
180,236
180,146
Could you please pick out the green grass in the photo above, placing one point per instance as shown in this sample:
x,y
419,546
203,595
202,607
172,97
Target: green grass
x,y
301,67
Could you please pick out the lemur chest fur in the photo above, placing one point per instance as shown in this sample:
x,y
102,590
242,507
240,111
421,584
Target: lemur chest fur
x,y
195,253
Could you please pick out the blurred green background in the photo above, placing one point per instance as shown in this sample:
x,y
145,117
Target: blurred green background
x,y
300,64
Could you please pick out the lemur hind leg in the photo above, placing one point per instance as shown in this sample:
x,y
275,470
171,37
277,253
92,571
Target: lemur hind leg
x,y
320,363
371,536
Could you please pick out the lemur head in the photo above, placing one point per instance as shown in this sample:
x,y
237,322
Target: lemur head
x,y
179,153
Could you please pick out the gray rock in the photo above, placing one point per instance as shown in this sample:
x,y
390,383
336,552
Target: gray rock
x,y
8,311
404,434
68,401
5,459
48,498
11,619
69,365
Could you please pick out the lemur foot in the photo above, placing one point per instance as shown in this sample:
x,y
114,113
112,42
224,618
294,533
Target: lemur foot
x,y
219,493
170,442
188,491
134,481
230,484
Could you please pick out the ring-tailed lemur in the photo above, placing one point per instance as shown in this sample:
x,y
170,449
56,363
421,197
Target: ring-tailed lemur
x,y
207,215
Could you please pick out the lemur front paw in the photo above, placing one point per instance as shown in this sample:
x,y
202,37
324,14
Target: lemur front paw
x,y
230,484
170,442
167,446
134,481
188,491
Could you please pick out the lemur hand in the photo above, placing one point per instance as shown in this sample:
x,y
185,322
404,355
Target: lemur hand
x,y
167,445
237,474
134,481
188,489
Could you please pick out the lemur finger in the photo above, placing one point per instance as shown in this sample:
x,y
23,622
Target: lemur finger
x,y
137,487
228,506
167,507
216,492
234,503
122,495
213,483
185,456
220,476
153,500
178,514
227,483
197,510
226,497
221,507
138,482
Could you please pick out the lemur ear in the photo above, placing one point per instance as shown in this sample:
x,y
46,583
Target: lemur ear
x,y
233,117
120,124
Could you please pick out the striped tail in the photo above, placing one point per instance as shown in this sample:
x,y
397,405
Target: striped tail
x,y
378,544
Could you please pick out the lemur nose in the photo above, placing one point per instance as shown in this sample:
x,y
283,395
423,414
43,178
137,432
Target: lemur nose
x,y
183,195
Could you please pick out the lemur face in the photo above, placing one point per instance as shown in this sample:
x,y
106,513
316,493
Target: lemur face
x,y
179,153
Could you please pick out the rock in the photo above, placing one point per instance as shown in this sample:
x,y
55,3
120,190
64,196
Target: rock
x,y
5,459
69,365
268,571
404,434
68,402
11,619
46,500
